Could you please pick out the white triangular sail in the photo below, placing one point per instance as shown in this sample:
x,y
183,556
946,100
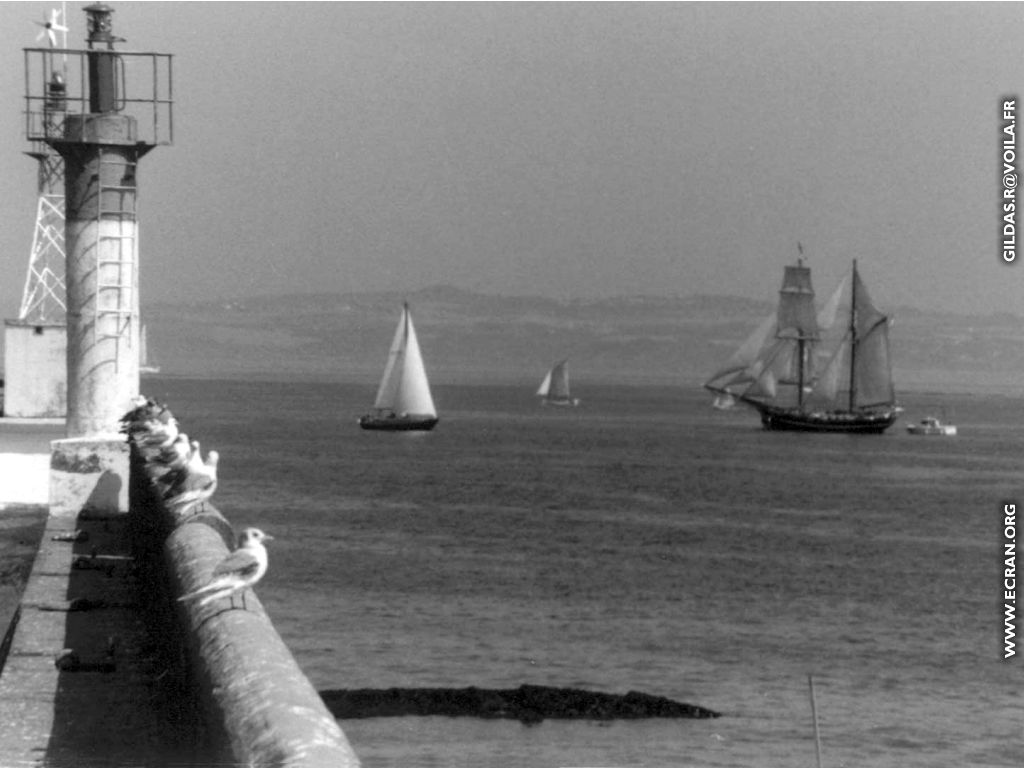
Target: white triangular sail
x,y
555,386
404,388
545,385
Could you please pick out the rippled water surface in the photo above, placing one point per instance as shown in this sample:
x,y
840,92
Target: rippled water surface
x,y
641,542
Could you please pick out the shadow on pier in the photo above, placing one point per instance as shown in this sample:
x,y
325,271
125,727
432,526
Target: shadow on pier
x,y
121,693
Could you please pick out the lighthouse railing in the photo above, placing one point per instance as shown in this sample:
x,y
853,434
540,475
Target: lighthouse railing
x,y
56,85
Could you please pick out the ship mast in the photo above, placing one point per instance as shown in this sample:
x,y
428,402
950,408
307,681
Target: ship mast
x,y
853,337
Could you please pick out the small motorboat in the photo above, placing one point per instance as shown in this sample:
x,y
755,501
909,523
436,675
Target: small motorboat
x,y
930,425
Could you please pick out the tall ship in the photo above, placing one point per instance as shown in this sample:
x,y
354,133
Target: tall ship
x,y
803,371
403,401
554,389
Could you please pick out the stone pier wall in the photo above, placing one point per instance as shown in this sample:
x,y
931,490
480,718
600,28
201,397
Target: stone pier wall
x,y
104,666
256,706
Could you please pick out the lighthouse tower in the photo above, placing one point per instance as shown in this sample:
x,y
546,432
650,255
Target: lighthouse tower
x,y
117,108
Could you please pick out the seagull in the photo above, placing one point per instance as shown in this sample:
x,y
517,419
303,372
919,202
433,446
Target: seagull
x,y
177,454
147,416
156,433
194,483
236,572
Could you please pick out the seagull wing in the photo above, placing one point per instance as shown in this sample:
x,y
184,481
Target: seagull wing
x,y
240,564
235,572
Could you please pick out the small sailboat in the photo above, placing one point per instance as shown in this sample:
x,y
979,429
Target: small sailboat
x,y
403,399
724,401
145,365
801,377
554,389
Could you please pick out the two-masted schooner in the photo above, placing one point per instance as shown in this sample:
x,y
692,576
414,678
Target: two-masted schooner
x,y
403,400
802,374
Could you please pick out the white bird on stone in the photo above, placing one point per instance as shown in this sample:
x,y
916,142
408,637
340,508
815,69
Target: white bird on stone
x,y
176,455
148,417
236,572
194,483
156,433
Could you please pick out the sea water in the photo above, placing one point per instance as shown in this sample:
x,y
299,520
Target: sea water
x,y
642,541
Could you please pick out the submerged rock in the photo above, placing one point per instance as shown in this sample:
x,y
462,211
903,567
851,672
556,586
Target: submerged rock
x,y
527,703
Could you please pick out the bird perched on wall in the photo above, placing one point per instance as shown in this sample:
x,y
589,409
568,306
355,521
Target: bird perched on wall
x,y
236,572
144,407
176,455
156,433
149,423
194,483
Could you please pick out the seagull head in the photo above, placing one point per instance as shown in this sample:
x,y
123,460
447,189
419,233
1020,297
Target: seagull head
x,y
252,536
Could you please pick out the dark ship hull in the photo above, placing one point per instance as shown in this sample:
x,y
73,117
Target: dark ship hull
x,y
398,423
852,422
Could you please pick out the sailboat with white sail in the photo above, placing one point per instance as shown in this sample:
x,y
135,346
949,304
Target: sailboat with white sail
x,y
554,389
801,377
403,402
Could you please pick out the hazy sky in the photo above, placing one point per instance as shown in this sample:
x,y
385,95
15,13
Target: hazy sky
x,y
569,150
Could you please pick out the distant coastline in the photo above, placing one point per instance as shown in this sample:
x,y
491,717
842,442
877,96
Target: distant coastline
x,y
473,337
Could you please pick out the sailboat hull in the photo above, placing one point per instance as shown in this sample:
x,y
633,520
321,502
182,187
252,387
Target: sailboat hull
x,y
569,402
793,420
398,423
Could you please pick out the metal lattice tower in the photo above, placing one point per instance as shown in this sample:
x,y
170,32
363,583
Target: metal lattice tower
x,y
44,297
43,300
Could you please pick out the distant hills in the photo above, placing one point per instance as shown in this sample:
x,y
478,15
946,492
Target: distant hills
x,y
473,337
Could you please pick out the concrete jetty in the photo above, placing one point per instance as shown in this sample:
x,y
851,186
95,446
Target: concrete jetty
x,y
25,459
103,666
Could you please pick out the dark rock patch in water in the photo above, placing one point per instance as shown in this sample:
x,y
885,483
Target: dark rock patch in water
x,y
527,703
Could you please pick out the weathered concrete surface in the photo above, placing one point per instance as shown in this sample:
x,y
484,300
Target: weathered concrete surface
x,y
104,667
254,693
256,707
89,473
87,687
35,369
